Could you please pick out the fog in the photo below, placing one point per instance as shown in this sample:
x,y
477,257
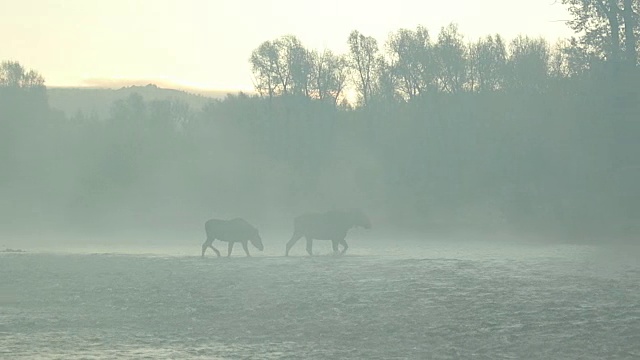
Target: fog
x,y
552,159
500,178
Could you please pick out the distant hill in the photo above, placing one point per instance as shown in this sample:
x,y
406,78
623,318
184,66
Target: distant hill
x,y
98,101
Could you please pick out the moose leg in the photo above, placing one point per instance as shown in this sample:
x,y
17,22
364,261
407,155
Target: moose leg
x,y
207,244
246,248
334,244
344,246
292,242
309,246
230,248
216,250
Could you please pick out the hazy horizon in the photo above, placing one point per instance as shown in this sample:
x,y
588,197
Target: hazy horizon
x,y
116,84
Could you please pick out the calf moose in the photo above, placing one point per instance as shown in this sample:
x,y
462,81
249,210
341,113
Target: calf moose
x,y
231,231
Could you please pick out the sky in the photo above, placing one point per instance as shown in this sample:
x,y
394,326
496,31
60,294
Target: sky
x,y
206,44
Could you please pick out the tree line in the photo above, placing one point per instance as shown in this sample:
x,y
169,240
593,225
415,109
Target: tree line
x,y
426,131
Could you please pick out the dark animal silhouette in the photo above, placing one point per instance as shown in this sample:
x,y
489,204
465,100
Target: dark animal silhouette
x,y
231,231
332,225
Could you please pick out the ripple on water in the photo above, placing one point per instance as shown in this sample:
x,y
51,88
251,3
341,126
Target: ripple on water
x,y
438,303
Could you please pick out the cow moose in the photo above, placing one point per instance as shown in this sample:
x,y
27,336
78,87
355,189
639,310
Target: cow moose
x,y
332,225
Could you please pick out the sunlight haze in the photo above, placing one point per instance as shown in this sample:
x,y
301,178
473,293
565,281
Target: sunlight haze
x,y
206,44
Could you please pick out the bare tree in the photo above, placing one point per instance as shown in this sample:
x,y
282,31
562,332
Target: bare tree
x,y
298,63
282,67
268,70
487,63
385,86
451,53
329,75
599,23
363,58
528,63
412,61
13,74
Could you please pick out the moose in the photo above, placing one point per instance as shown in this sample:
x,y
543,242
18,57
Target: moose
x,y
332,225
231,231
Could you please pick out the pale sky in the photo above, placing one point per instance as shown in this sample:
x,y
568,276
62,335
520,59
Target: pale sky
x,y
207,43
